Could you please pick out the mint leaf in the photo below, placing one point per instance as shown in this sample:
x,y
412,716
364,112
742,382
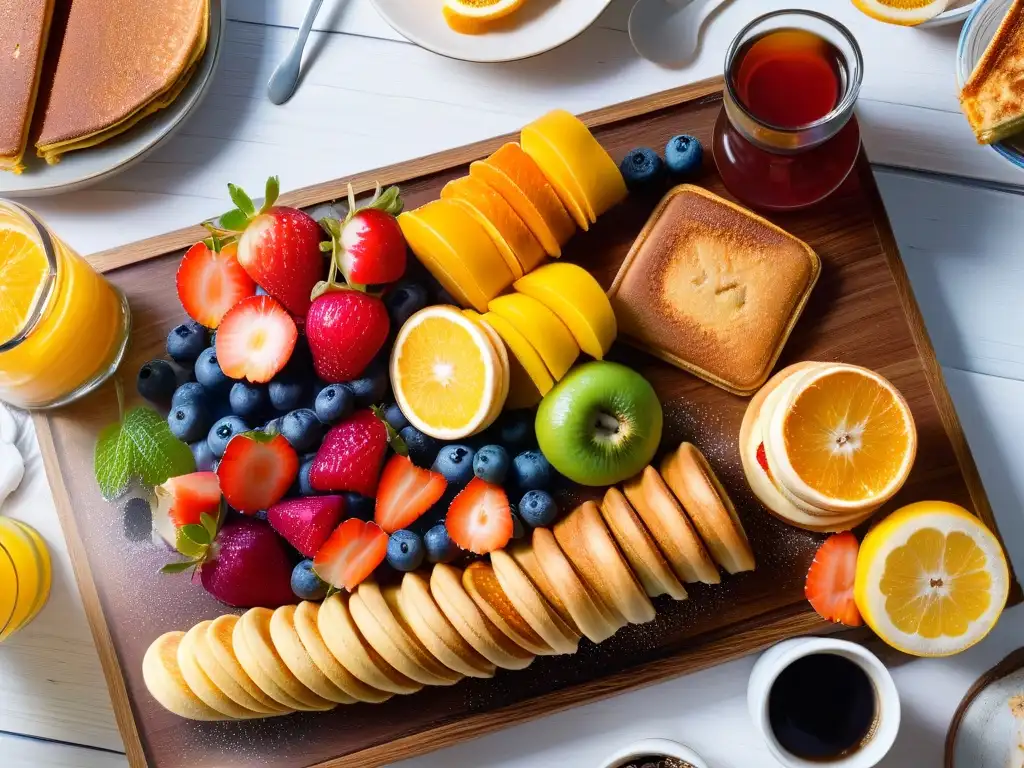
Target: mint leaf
x,y
178,567
141,447
271,194
241,200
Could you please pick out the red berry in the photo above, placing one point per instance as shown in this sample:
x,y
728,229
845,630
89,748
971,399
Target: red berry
x,y
211,283
256,471
829,587
480,518
255,339
351,554
346,329
762,459
350,457
308,522
405,493
189,496
372,248
250,566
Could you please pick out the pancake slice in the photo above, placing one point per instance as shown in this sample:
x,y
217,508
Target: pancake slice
x,y
531,604
220,641
295,656
483,587
24,30
522,552
225,679
201,684
163,678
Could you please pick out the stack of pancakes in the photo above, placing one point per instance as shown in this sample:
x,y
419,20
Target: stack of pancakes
x,y
94,72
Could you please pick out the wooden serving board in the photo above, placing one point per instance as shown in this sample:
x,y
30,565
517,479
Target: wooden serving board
x,y
861,312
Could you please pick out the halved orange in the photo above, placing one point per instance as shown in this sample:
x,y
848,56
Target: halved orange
x,y
907,13
479,10
23,272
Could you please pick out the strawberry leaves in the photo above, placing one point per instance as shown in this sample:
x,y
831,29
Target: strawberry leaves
x,y
195,542
231,224
388,201
139,447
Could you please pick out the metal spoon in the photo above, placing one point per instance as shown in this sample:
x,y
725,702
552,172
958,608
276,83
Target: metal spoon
x,y
286,77
667,32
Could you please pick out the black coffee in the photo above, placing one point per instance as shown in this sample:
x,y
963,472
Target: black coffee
x,y
656,761
821,707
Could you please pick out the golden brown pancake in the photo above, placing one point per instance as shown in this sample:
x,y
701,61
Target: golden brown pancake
x,y
992,98
118,63
24,29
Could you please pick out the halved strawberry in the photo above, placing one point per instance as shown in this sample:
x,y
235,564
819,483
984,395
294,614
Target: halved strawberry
x,y
405,492
829,587
255,339
211,283
256,470
307,523
351,554
189,496
351,455
479,519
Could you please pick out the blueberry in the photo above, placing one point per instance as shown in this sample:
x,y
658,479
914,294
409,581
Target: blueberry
x,y
538,509
186,342
372,387
518,529
404,301
422,448
248,400
302,480
358,506
455,462
306,584
516,431
405,551
334,403
642,169
189,422
261,291
222,431
190,392
138,520
287,391
531,471
208,372
440,547
157,382
684,155
491,464
302,429
393,415
203,455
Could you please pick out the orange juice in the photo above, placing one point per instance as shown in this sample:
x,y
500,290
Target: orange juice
x,y
63,327
25,575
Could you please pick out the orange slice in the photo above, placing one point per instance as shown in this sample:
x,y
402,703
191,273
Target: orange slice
x,y
480,10
23,272
907,13
516,177
529,359
504,367
542,328
558,172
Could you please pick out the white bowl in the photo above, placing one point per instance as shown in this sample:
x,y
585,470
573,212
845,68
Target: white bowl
x,y
655,747
955,15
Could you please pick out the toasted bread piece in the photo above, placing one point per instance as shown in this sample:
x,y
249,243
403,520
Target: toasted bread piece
x,y
163,678
420,612
23,39
483,587
305,619
640,551
293,653
670,528
544,620
713,289
201,684
522,552
220,642
351,649
470,622
992,98
694,483
585,539
224,679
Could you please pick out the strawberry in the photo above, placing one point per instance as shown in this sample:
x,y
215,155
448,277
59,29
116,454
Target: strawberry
x,y
368,246
189,496
405,493
351,554
307,523
211,283
248,565
350,457
346,329
479,519
829,587
255,339
762,460
256,470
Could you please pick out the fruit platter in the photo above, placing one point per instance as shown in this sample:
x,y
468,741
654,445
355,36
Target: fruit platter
x,y
402,459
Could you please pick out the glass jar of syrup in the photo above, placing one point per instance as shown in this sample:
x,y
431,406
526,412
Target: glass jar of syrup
x,y
787,136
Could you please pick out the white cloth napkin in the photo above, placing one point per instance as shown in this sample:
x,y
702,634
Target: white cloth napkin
x,y
12,465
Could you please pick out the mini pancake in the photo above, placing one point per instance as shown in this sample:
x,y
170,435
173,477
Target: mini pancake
x,y
220,642
694,483
295,656
305,620
339,631
596,620
639,549
222,678
398,645
585,539
531,605
522,552
483,587
671,528
419,610
246,657
201,684
255,627
163,678
474,627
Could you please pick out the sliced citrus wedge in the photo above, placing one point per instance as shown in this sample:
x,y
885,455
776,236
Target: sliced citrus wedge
x,y
538,378
542,328
931,580
480,10
907,13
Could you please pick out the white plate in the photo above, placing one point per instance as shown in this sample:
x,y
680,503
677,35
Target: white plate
x,y
538,26
957,14
87,166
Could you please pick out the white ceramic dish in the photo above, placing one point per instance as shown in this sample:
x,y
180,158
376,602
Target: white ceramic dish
x,y
538,26
654,747
957,14
87,166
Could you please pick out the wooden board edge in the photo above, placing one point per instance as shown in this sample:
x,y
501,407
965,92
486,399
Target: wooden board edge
x,y
111,666
932,368
150,248
724,645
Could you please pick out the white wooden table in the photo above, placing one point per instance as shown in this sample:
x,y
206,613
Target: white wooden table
x,y
370,99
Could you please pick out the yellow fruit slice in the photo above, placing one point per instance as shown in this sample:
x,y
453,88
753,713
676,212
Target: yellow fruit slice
x,y
445,373
517,245
480,10
558,172
593,169
576,297
907,13
931,579
23,273
527,358
505,374
542,328
458,252
516,177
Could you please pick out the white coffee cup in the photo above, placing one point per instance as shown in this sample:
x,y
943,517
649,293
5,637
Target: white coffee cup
x,y
882,733
654,747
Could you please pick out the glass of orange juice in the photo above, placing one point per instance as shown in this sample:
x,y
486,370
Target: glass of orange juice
x,y
63,327
26,574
